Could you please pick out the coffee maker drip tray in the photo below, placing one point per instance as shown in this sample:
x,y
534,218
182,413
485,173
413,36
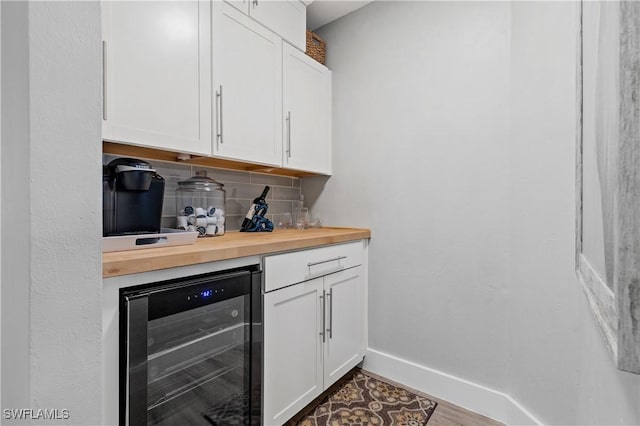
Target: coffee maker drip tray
x,y
166,237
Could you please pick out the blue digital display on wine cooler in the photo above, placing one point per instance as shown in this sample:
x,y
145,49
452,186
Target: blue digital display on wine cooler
x,y
206,293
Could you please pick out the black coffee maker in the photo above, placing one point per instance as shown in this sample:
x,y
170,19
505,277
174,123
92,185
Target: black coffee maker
x,y
132,195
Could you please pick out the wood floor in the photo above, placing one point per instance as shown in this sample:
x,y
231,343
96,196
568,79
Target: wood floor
x,y
446,414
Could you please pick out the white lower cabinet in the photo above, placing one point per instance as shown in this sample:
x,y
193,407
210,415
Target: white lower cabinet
x,y
293,350
313,335
344,347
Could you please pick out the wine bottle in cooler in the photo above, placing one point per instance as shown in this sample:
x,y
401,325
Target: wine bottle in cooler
x,y
252,210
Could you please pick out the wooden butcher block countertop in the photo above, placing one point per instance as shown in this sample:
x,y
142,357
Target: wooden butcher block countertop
x,y
229,246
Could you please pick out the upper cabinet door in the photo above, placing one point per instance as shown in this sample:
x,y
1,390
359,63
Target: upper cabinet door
x,y
241,5
247,88
306,113
157,74
287,18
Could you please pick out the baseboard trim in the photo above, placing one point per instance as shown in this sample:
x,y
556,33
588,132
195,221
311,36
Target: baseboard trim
x,y
472,396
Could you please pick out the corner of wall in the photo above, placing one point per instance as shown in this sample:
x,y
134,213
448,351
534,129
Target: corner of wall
x,y
0,204
64,146
14,186
472,396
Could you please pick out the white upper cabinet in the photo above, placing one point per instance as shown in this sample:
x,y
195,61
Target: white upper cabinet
x,y
241,5
306,112
247,76
216,78
157,74
287,18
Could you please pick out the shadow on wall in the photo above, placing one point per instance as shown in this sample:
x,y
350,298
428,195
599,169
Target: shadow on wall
x,y
312,188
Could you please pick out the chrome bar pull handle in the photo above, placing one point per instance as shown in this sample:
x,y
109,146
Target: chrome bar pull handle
x,y
288,134
310,264
324,308
330,329
219,131
104,80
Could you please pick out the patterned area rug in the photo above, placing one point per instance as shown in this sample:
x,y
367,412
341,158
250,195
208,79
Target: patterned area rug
x,y
363,400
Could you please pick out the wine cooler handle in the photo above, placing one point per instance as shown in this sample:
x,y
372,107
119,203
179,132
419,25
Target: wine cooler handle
x,y
324,309
136,382
330,329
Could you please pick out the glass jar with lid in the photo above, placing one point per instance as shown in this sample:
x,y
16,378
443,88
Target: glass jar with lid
x,y
200,205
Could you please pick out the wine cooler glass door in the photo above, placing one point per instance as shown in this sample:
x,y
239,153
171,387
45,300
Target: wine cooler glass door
x,y
190,366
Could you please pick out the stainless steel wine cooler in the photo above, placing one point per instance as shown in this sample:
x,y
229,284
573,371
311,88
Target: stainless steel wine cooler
x,y
191,350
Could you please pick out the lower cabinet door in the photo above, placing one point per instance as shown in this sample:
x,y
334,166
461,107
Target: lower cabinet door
x,y
345,343
293,349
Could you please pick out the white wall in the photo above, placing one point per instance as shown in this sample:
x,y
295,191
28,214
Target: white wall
x,y
558,362
421,122
51,182
544,294
66,201
454,141
0,201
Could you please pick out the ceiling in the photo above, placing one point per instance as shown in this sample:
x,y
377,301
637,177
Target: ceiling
x,y
321,12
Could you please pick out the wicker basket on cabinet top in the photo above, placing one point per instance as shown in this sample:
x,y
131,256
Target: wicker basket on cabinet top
x,y
316,47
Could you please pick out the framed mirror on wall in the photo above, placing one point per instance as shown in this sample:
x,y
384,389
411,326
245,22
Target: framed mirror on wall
x,y
608,172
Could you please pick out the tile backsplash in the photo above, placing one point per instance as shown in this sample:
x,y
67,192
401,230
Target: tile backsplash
x,y
241,188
